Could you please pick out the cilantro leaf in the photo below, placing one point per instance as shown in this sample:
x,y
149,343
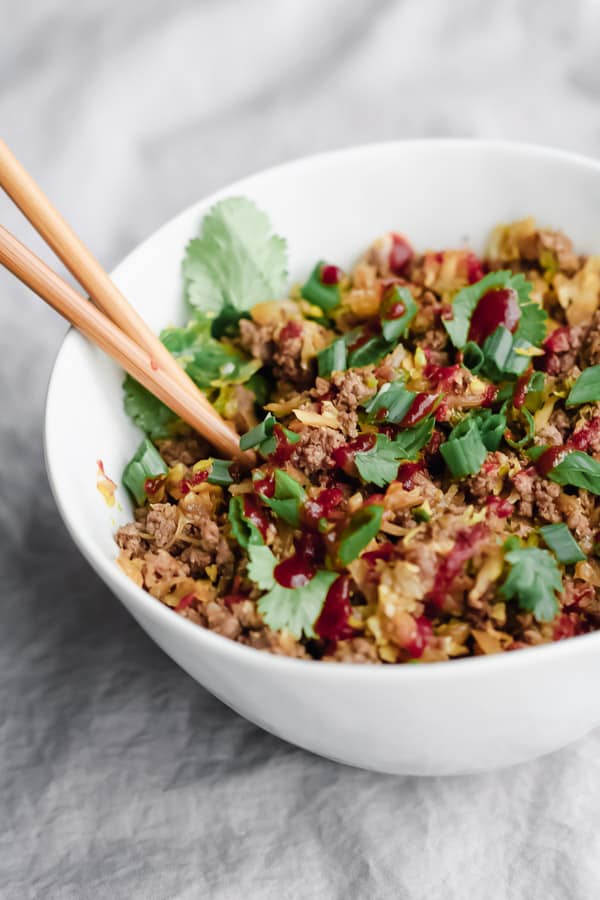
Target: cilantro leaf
x,y
379,464
390,404
208,362
260,566
533,580
292,609
147,411
531,329
236,261
579,470
296,609
362,528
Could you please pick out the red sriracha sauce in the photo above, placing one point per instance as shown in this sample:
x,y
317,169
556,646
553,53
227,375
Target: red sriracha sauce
x,y
256,514
291,329
521,390
153,485
265,485
332,624
396,310
197,478
474,269
421,406
185,602
422,636
466,546
343,457
549,459
384,551
331,275
401,254
283,449
500,306
499,507
294,572
406,474
323,506
441,376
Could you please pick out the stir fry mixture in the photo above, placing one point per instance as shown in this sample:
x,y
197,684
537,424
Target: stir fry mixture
x,y
427,438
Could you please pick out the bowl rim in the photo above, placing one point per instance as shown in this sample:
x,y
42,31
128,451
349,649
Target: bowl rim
x,y
164,617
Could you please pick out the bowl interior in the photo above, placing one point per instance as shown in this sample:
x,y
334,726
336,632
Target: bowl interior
x,y
439,193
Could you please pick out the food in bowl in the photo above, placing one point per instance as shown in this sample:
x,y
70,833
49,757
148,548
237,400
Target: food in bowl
x,y
426,429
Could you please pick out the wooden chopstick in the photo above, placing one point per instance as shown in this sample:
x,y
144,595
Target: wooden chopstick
x,y
58,234
96,326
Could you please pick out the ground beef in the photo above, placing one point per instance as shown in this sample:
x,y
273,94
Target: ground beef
x,y
486,482
128,538
589,354
257,340
546,500
313,451
351,389
563,349
161,523
160,569
187,450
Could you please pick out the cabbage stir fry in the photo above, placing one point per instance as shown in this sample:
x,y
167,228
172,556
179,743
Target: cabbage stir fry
x,y
427,433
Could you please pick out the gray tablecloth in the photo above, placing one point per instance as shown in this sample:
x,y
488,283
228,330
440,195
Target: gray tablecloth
x,y
119,776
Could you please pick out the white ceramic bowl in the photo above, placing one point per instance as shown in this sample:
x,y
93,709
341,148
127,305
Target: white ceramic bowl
x,y
432,719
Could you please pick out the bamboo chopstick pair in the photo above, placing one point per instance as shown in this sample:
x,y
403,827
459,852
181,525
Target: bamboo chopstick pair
x,y
113,325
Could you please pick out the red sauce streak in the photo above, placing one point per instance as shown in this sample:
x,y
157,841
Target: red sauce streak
x,y
421,406
290,330
475,270
332,624
499,507
283,448
331,275
197,478
489,395
396,310
500,306
185,602
231,599
559,341
374,500
255,514
521,390
422,636
323,506
586,435
265,485
384,551
441,376
401,254
466,546
294,572
442,414
153,485
343,457
568,625
407,472
549,459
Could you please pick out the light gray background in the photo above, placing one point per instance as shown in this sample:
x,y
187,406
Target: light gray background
x,y
119,776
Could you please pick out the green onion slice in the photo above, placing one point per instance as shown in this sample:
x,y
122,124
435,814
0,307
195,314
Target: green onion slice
x,y
145,463
562,543
587,387
363,526
464,452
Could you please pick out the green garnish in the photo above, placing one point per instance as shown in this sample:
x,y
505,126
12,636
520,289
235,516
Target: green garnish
x,y
587,387
236,261
219,472
288,609
332,358
465,301
390,404
379,464
208,362
422,513
524,420
562,543
145,463
362,528
501,357
577,469
259,433
147,411
533,580
473,357
269,445
464,452
327,296
369,353
491,427
397,327
244,531
287,499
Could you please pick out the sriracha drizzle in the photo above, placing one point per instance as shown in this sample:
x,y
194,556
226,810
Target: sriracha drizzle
x,y
500,306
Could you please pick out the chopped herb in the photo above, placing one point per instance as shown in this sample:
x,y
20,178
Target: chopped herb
x,y
237,261
524,421
390,404
208,362
501,357
259,433
369,353
219,472
587,387
288,609
332,358
473,357
288,498
244,531
533,580
147,411
491,427
379,464
562,543
464,452
577,469
269,445
398,311
326,296
145,463
363,526
466,300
